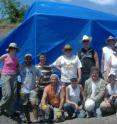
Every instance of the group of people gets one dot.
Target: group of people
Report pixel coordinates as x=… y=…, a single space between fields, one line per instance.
x=82 y=90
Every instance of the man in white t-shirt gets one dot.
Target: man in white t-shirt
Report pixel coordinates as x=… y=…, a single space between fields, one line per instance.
x=107 y=51
x=29 y=73
x=69 y=65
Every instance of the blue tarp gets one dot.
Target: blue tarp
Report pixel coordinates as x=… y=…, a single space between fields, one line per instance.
x=48 y=26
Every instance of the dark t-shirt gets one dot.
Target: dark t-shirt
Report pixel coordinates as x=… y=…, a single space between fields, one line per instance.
x=87 y=59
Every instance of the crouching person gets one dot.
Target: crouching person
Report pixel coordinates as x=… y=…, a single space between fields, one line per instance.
x=93 y=93
x=74 y=99
x=29 y=97
x=109 y=105
x=53 y=100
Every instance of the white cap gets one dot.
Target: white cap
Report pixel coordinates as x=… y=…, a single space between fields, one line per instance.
x=28 y=54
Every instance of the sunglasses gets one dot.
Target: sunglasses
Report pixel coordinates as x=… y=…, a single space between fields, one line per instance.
x=67 y=49
x=12 y=48
x=74 y=81
x=85 y=41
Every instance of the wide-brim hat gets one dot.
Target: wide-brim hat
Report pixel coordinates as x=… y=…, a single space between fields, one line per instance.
x=111 y=38
x=86 y=37
x=67 y=47
x=12 y=45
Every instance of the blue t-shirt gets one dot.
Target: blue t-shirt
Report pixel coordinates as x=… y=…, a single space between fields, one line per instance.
x=0 y=82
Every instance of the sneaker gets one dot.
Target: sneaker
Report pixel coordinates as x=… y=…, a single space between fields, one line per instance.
x=89 y=114
x=81 y=114
x=35 y=121
x=98 y=112
x=58 y=120
x=23 y=118
x=116 y=113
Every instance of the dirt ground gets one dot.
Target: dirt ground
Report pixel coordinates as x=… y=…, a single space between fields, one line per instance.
x=103 y=120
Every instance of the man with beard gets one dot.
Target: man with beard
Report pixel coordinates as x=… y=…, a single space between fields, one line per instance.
x=69 y=65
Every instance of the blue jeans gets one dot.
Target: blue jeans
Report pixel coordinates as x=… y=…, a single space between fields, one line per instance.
x=0 y=92
x=69 y=109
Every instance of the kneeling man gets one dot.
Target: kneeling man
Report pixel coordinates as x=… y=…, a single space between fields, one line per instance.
x=93 y=93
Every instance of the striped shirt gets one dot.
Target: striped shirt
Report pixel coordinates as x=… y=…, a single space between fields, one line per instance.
x=46 y=70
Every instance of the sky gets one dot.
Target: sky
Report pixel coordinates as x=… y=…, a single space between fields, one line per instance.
x=108 y=6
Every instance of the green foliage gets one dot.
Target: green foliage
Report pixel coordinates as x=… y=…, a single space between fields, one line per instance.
x=12 y=11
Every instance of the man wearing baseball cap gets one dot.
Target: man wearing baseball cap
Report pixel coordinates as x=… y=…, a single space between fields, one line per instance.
x=29 y=73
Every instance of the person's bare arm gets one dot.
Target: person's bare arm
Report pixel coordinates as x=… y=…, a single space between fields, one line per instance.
x=44 y=97
x=109 y=66
x=3 y=57
x=62 y=98
x=82 y=93
x=79 y=74
x=96 y=59
x=102 y=63
x=85 y=90
x=39 y=79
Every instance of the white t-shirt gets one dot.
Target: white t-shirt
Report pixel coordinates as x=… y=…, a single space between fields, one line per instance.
x=107 y=52
x=28 y=78
x=74 y=94
x=93 y=89
x=110 y=90
x=113 y=65
x=68 y=66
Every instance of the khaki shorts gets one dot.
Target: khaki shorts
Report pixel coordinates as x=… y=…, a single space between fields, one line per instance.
x=29 y=97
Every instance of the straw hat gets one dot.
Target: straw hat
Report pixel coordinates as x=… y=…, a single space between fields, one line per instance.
x=67 y=47
x=111 y=38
